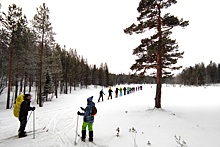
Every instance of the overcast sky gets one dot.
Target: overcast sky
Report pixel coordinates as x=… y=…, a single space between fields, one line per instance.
x=95 y=29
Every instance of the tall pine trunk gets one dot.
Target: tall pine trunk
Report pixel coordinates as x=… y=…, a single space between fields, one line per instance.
x=41 y=70
x=159 y=63
x=56 y=85
x=9 y=79
x=16 y=89
x=30 y=83
x=25 y=81
x=159 y=83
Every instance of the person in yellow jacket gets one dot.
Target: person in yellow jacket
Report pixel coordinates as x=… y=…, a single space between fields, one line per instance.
x=110 y=93
x=24 y=108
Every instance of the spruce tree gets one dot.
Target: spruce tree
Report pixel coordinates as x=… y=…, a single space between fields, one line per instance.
x=158 y=51
x=48 y=85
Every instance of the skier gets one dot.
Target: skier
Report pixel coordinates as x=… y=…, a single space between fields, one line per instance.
x=124 y=90
x=88 y=119
x=25 y=107
x=128 y=90
x=110 y=93
x=120 y=91
x=116 y=92
x=101 y=93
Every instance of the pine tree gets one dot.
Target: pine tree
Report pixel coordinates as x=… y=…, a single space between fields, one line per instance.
x=76 y=69
x=3 y=63
x=101 y=75
x=159 y=51
x=72 y=68
x=200 y=74
x=88 y=78
x=82 y=72
x=15 y=24
x=45 y=35
x=107 y=75
x=218 y=73
x=4 y=43
x=94 y=75
x=65 y=59
x=212 y=73
x=56 y=69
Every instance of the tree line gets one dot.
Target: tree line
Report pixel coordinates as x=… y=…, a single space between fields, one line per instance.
x=199 y=75
x=29 y=56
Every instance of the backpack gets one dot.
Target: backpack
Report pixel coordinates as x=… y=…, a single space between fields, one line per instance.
x=17 y=105
x=94 y=110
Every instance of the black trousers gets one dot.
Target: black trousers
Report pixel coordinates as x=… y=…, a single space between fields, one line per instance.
x=100 y=98
x=23 y=123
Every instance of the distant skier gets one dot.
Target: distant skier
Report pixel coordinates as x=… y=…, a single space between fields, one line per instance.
x=101 y=93
x=88 y=119
x=124 y=90
x=120 y=91
x=110 y=93
x=116 y=92
x=128 y=90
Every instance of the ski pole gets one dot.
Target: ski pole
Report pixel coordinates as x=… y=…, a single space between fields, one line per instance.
x=33 y=125
x=29 y=116
x=76 y=129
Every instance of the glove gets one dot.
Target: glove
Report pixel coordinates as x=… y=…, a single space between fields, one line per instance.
x=33 y=108
x=82 y=108
x=78 y=113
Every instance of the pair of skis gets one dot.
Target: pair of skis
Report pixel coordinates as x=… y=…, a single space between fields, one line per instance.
x=32 y=132
x=86 y=143
x=89 y=144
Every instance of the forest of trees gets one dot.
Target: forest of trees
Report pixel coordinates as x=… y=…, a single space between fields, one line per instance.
x=29 y=56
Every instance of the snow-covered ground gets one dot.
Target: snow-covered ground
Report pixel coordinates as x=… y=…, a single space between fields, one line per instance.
x=191 y=113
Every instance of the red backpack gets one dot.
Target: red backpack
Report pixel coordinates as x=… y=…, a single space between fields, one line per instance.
x=94 y=110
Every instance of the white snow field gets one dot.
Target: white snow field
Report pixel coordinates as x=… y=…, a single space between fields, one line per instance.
x=192 y=114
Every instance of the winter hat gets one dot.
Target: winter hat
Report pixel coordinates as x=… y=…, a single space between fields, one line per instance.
x=26 y=96
x=90 y=99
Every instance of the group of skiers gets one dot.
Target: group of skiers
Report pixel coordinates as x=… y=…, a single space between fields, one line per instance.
x=119 y=91
x=88 y=112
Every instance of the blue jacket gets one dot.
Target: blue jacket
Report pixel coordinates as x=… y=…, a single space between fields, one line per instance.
x=88 y=113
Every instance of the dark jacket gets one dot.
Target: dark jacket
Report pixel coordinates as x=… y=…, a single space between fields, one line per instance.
x=116 y=90
x=110 y=92
x=25 y=107
x=101 y=93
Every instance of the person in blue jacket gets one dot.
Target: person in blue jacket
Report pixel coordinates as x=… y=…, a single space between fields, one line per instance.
x=88 y=119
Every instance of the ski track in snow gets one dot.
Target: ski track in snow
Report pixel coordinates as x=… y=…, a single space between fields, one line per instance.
x=56 y=129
